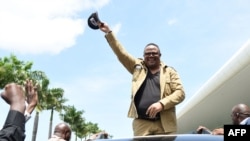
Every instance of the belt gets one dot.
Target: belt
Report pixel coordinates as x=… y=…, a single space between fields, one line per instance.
x=148 y=118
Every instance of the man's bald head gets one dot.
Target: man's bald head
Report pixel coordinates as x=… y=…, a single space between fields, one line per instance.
x=239 y=113
x=241 y=108
x=63 y=130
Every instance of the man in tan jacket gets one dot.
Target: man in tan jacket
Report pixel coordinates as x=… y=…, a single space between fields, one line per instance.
x=156 y=88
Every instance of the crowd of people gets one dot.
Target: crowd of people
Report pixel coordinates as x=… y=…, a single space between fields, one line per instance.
x=156 y=90
x=16 y=97
x=22 y=102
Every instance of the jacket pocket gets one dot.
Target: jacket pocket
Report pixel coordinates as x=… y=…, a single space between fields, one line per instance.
x=167 y=87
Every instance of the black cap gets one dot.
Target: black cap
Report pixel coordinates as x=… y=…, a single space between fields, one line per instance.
x=93 y=21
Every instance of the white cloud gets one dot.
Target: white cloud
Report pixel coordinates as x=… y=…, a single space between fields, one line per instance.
x=42 y=26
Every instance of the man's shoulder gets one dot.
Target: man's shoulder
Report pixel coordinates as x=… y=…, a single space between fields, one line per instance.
x=171 y=68
x=165 y=66
x=248 y=121
x=55 y=138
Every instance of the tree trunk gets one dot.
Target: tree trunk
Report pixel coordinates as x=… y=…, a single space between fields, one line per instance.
x=76 y=136
x=51 y=122
x=35 y=126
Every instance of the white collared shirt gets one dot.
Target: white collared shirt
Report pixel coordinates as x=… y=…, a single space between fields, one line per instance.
x=56 y=138
x=243 y=122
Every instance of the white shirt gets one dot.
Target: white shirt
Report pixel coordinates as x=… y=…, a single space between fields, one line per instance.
x=243 y=122
x=56 y=138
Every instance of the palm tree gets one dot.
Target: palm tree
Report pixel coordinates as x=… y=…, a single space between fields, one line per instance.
x=13 y=70
x=92 y=128
x=81 y=129
x=72 y=117
x=43 y=82
x=85 y=129
x=55 y=101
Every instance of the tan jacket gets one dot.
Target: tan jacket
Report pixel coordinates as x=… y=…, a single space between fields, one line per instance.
x=172 y=92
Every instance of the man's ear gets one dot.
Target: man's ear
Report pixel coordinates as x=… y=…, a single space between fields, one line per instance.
x=67 y=136
x=237 y=114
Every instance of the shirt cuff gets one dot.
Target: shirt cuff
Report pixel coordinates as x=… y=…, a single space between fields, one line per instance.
x=27 y=116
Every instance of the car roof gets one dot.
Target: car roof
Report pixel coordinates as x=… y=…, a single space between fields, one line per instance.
x=176 y=137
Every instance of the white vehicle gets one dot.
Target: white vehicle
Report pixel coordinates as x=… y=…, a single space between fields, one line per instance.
x=211 y=105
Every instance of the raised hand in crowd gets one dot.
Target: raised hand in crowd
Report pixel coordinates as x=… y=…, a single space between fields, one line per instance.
x=31 y=98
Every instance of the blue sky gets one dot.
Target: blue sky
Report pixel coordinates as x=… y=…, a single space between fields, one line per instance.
x=196 y=38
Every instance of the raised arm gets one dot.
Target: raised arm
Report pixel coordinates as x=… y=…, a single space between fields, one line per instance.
x=14 y=126
x=31 y=97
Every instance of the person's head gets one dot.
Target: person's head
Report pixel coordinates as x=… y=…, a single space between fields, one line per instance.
x=63 y=130
x=152 y=56
x=239 y=113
